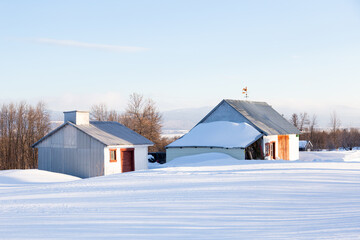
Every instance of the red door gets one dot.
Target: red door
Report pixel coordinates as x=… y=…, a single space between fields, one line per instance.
x=127 y=160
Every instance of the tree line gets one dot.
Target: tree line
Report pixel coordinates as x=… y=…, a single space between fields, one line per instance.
x=21 y=125
x=333 y=138
x=141 y=115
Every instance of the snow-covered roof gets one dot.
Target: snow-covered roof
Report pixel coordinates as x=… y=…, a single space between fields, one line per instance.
x=304 y=143
x=219 y=134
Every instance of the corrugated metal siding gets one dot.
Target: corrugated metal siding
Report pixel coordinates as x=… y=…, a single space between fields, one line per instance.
x=73 y=152
x=172 y=153
x=96 y=158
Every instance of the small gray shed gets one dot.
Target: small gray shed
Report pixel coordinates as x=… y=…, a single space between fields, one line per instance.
x=84 y=148
x=305 y=145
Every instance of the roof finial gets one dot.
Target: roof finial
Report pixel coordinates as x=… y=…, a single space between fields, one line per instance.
x=245 y=91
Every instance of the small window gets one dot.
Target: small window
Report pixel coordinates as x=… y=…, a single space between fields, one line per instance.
x=113 y=155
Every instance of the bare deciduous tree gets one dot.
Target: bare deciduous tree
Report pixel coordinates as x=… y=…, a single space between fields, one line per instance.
x=335 y=124
x=21 y=125
x=294 y=120
x=350 y=138
x=312 y=126
x=141 y=115
x=100 y=112
x=300 y=121
x=304 y=121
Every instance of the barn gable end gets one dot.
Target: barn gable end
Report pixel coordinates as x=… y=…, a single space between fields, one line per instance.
x=224 y=111
x=73 y=152
x=279 y=137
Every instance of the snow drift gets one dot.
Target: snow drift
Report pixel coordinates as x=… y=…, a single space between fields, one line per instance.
x=31 y=176
x=204 y=197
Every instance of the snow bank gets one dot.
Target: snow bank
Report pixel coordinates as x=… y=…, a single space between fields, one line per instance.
x=257 y=200
x=30 y=176
x=331 y=156
x=205 y=159
x=219 y=134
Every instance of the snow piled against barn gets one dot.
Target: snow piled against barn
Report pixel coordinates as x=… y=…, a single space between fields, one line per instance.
x=219 y=134
x=210 y=196
x=32 y=176
x=331 y=156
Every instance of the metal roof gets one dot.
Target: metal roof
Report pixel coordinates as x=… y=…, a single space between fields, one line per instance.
x=108 y=133
x=264 y=117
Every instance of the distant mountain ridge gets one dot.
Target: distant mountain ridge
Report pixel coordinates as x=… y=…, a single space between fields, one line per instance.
x=179 y=119
x=184 y=119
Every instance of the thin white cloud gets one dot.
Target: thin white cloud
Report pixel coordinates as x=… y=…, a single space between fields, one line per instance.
x=71 y=43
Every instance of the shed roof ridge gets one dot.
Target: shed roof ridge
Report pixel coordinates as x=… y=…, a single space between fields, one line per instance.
x=246 y=101
x=77 y=127
x=100 y=134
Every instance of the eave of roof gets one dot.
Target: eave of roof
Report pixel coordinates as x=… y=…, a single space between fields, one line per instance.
x=219 y=134
x=49 y=134
x=271 y=124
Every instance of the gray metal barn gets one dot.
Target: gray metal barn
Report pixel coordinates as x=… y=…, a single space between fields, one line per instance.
x=279 y=139
x=84 y=148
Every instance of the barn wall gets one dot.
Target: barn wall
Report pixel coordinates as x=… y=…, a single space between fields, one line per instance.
x=72 y=152
x=268 y=139
x=294 y=147
x=225 y=113
x=112 y=167
x=172 y=153
x=140 y=158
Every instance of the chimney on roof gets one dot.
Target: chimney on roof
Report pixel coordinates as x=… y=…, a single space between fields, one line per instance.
x=77 y=117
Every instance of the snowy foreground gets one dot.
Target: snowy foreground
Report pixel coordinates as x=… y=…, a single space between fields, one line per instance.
x=216 y=197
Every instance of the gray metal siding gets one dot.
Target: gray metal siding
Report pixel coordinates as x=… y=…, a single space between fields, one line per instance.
x=225 y=112
x=97 y=153
x=72 y=152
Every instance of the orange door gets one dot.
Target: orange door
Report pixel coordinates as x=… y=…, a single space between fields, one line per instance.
x=283 y=147
x=127 y=160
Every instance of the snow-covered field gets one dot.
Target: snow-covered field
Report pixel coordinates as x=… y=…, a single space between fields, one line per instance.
x=206 y=197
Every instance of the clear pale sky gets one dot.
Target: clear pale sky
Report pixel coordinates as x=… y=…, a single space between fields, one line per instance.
x=295 y=55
